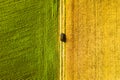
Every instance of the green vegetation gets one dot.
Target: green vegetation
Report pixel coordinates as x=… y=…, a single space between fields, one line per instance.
x=29 y=40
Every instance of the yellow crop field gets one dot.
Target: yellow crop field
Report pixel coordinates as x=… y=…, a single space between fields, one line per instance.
x=93 y=40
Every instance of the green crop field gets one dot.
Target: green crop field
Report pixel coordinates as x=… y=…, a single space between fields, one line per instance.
x=29 y=40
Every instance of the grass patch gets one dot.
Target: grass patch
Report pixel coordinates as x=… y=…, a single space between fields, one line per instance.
x=29 y=40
